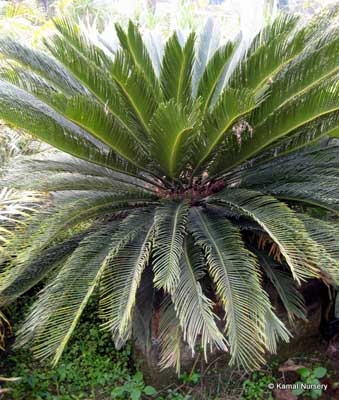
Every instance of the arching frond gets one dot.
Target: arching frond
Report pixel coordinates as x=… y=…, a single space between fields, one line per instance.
x=53 y=317
x=121 y=279
x=275 y=330
x=170 y=221
x=170 y=337
x=17 y=280
x=94 y=69
x=42 y=64
x=326 y=234
x=269 y=52
x=235 y=273
x=47 y=226
x=321 y=100
x=281 y=224
x=193 y=308
x=285 y=287
x=26 y=112
x=231 y=106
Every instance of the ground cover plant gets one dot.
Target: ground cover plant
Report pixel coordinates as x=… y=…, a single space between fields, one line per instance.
x=180 y=162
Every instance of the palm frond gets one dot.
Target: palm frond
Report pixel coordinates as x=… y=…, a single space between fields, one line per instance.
x=176 y=70
x=42 y=64
x=172 y=126
x=326 y=235
x=234 y=271
x=46 y=226
x=320 y=101
x=94 y=70
x=285 y=287
x=215 y=69
x=132 y=42
x=193 y=308
x=121 y=278
x=53 y=318
x=26 y=112
x=280 y=223
x=170 y=221
x=170 y=337
x=272 y=48
x=232 y=105
x=275 y=330
x=17 y=280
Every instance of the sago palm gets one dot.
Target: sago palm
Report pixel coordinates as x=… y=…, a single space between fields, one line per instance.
x=181 y=161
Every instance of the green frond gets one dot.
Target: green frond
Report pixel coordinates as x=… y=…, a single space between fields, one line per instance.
x=309 y=177
x=317 y=64
x=285 y=287
x=17 y=280
x=33 y=83
x=170 y=337
x=194 y=310
x=275 y=330
x=172 y=130
x=41 y=64
x=215 y=69
x=26 y=112
x=235 y=273
x=93 y=117
x=321 y=100
x=232 y=105
x=121 y=277
x=326 y=235
x=170 y=224
x=206 y=45
x=273 y=47
x=280 y=223
x=308 y=134
x=47 y=225
x=134 y=89
x=53 y=318
x=94 y=70
x=131 y=41
x=57 y=173
x=176 y=70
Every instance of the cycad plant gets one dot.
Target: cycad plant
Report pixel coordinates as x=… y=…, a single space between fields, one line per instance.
x=180 y=162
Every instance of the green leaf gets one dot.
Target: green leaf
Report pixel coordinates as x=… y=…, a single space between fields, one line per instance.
x=119 y=391
x=299 y=390
x=78 y=278
x=304 y=372
x=149 y=390
x=319 y=372
x=273 y=47
x=231 y=106
x=135 y=394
